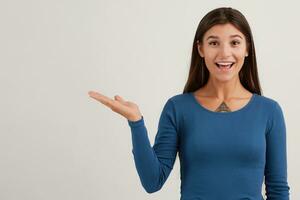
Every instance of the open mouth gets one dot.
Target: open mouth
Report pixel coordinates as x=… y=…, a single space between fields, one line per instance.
x=225 y=66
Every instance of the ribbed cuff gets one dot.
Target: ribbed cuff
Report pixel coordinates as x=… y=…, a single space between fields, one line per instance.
x=132 y=124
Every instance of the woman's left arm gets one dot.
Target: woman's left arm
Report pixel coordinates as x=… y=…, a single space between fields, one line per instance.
x=277 y=187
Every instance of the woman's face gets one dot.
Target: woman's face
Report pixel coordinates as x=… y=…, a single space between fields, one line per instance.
x=224 y=50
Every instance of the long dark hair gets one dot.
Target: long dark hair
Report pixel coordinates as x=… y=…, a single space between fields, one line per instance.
x=198 y=73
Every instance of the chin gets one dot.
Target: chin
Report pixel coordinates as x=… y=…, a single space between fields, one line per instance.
x=225 y=77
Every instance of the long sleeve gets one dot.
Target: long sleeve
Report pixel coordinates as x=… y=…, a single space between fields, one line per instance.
x=276 y=158
x=154 y=164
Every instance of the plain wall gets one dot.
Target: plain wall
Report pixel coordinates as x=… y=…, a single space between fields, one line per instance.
x=58 y=143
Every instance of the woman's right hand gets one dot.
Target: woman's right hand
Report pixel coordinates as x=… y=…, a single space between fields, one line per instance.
x=127 y=109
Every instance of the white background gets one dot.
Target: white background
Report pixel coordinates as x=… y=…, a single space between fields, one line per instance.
x=58 y=143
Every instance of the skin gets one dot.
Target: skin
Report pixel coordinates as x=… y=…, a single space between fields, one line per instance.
x=127 y=109
x=221 y=87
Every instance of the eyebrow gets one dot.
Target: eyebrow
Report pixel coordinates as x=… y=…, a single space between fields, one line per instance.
x=216 y=37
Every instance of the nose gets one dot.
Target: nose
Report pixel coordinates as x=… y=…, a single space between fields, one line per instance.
x=224 y=51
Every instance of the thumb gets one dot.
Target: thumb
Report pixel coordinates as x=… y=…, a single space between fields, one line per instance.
x=120 y=99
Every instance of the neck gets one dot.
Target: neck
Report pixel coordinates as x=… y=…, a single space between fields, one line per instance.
x=224 y=89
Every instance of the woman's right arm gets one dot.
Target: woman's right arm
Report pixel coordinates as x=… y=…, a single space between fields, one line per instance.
x=154 y=164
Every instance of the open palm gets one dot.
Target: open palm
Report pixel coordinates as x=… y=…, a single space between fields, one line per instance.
x=127 y=109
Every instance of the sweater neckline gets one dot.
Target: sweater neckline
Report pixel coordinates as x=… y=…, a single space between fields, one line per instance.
x=245 y=107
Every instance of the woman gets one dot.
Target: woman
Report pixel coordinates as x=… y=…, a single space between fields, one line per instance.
x=228 y=136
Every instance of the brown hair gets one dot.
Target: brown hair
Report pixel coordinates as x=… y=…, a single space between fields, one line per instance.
x=198 y=73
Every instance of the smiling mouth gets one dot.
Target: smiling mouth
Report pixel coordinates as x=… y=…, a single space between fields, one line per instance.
x=224 y=66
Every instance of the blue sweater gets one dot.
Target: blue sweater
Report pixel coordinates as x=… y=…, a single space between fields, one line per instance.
x=223 y=155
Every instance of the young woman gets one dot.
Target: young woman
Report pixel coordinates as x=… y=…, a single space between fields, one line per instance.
x=228 y=136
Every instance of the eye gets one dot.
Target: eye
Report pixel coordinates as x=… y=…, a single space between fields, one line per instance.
x=236 y=42
x=212 y=43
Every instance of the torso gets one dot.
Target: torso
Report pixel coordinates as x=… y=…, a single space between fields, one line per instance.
x=213 y=104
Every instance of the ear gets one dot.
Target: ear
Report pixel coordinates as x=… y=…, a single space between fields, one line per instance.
x=199 y=48
x=247 y=48
x=246 y=54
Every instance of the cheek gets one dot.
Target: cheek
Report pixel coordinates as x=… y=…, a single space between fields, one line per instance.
x=210 y=58
x=239 y=56
x=210 y=63
x=240 y=52
x=240 y=63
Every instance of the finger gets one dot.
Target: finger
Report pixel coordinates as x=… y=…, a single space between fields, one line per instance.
x=103 y=99
x=112 y=104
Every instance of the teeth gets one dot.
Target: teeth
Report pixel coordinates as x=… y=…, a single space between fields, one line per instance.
x=226 y=65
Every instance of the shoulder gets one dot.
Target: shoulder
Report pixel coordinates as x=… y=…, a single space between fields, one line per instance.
x=273 y=109
x=271 y=106
x=179 y=100
x=267 y=103
x=178 y=97
x=178 y=103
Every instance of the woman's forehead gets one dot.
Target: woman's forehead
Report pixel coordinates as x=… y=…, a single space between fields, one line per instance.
x=223 y=31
